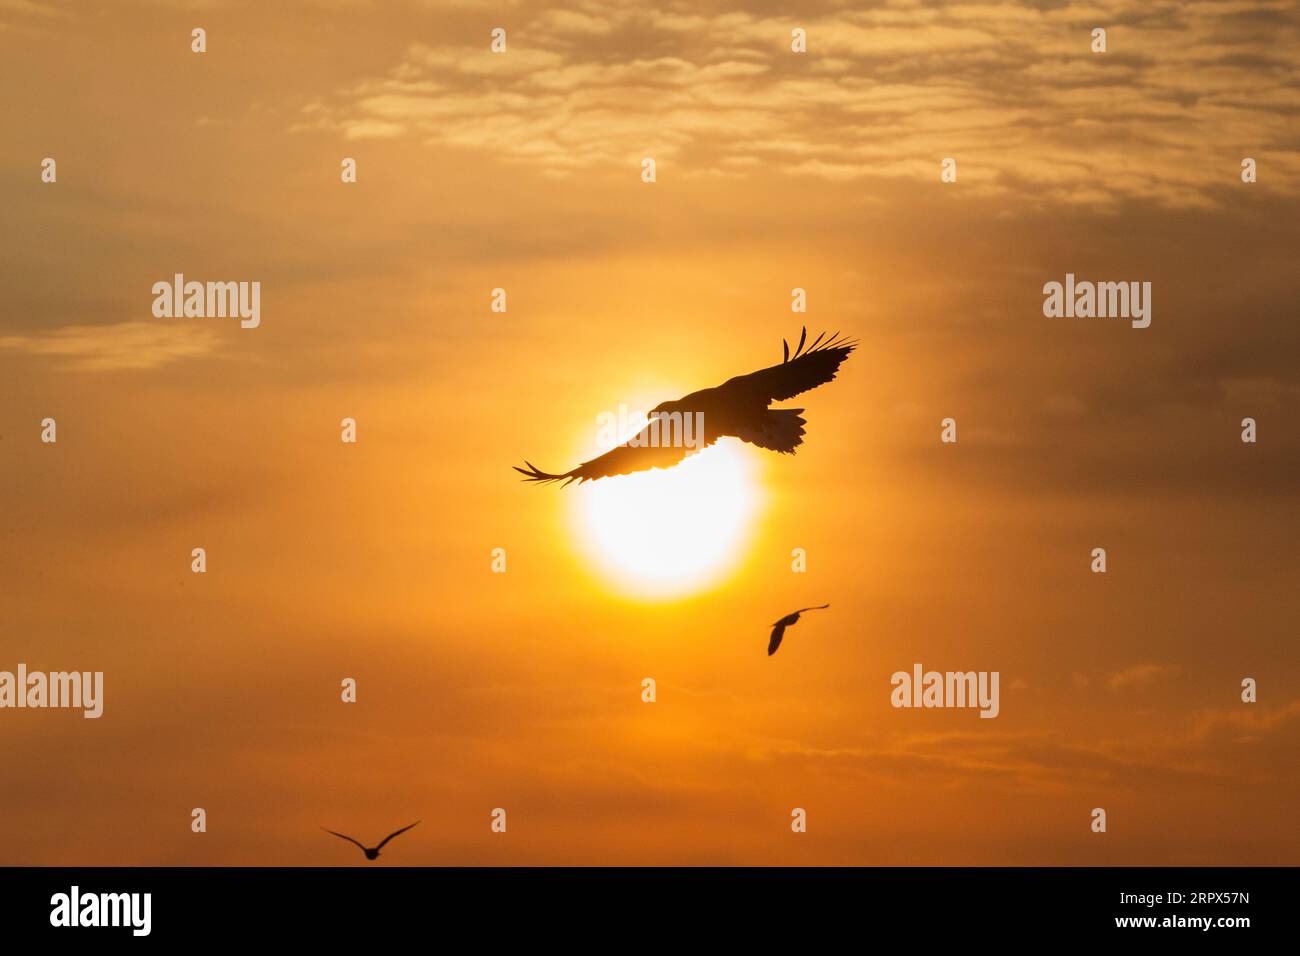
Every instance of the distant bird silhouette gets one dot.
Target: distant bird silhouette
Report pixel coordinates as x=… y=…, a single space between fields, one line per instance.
x=737 y=408
x=372 y=853
x=778 y=629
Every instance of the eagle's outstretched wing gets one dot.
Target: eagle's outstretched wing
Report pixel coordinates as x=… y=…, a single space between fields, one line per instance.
x=641 y=453
x=806 y=369
x=393 y=834
x=778 y=632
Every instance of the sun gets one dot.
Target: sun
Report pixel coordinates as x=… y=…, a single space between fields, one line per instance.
x=670 y=532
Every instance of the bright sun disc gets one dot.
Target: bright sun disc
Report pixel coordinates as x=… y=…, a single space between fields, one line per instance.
x=670 y=531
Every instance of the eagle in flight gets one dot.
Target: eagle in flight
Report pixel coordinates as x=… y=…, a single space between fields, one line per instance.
x=737 y=408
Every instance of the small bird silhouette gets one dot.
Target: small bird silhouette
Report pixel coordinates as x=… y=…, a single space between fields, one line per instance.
x=778 y=629
x=372 y=853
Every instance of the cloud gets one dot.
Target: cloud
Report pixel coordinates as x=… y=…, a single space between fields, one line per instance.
x=1011 y=91
x=1216 y=745
x=1139 y=676
x=125 y=345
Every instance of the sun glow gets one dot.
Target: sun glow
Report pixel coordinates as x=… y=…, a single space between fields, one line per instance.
x=668 y=532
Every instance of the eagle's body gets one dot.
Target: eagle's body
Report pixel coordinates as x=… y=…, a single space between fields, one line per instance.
x=738 y=408
x=730 y=412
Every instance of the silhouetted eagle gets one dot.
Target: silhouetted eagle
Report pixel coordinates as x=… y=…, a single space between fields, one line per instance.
x=736 y=408
x=778 y=629
x=371 y=852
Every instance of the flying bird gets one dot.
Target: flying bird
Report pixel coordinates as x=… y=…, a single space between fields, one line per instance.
x=737 y=408
x=372 y=853
x=778 y=629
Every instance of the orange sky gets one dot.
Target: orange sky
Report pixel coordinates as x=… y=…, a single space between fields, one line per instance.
x=522 y=690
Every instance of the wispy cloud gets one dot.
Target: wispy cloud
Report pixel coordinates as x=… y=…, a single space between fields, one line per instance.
x=1013 y=92
x=1217 y=745
x=1139 y=676
x=124 y=345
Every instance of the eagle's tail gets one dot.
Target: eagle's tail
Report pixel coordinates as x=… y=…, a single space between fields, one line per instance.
x=777 y=429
